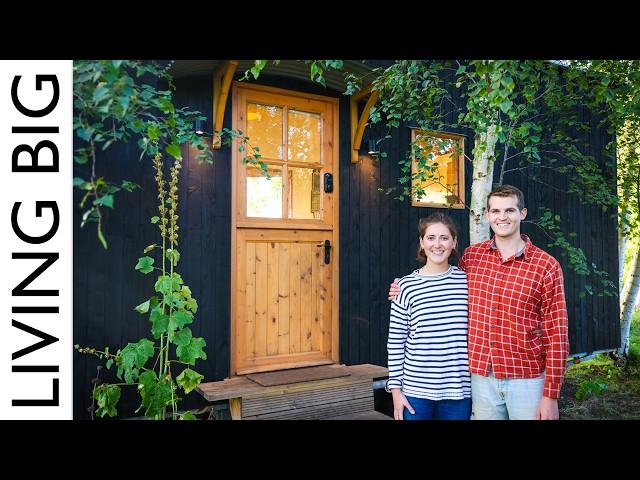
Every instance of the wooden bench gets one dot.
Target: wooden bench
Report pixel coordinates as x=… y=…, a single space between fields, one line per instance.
x=343 y=398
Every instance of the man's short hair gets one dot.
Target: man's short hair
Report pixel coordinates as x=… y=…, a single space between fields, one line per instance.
x=507 y=191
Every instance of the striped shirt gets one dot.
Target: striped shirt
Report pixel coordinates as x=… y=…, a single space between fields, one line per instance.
x=427 y=343
x=517 y=314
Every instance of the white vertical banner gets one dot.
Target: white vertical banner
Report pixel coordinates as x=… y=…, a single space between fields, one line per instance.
x=36 y=331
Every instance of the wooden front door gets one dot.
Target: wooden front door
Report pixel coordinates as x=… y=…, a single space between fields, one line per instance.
x=284 y=232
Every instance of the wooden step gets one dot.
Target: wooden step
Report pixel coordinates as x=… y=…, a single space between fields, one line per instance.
x=368 y=415
x=349 y=396
x=299 y=375
x=241 y=386
x=311 y=400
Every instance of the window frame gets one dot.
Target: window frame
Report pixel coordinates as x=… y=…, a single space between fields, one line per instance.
x=327 y=108
x=461 y=186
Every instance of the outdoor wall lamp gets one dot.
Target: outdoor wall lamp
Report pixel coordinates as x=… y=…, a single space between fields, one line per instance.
x=372 y=146
x=359 y=120
x=199 y=127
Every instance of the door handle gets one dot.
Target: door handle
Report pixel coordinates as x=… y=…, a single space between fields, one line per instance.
x=327 y=251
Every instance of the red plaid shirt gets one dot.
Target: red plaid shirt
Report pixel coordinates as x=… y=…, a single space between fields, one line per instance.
x=517 y=314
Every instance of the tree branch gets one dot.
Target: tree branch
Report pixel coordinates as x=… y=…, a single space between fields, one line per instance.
x=524 y=168
x=506 y=150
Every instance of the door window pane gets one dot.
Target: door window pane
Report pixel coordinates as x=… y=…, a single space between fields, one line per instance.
x=304 y=136
x=264 y=195
x=304 y=193
x=264 y=129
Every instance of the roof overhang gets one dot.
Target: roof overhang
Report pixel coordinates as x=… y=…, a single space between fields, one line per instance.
x=286 y=68
x=224 y=71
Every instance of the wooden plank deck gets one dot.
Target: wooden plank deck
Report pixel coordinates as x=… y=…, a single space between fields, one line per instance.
x=346 y=397
x=242 y=386
x=296 y=375
x=368 y=415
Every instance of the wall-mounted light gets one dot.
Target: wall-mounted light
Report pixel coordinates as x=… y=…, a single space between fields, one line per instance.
x=372 y=147
x=199 y=127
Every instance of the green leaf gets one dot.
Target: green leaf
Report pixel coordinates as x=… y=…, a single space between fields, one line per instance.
x=165 y=105
x=174 y=151
x=109 y=363
x=143 y=307
x=149 y=248
x=173 y=256
x=133 y=357
x=160 y=398
x=100 y=93
x=123 y=101
x=103 y=241
x=85 y=134
x=183 y=337
x=179 y=319
x=176 y=282
x=155 y=219
x=80 y=158
x=461 y=69
x=257 y=68
x=508 y=82
x=147 y=381
x=189 y=379
x=107 y=201
x=176 y=300
x=129 y=186
x=159 y=322
x=192 y=305
x=191 y=352
x=144 y=265
x=188 y=416
x=163 y=285
x=506 y=105
x=153 y=132
x=107 y=397
x=155 y=394
x=166 y=285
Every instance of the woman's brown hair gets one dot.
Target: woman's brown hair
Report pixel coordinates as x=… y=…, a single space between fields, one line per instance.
x=425 y=222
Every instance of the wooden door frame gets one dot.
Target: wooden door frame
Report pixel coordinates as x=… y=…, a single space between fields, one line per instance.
x=335 y=257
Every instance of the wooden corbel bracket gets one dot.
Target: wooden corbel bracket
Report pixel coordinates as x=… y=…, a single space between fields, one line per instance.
x=222 y=78
x=358 y=124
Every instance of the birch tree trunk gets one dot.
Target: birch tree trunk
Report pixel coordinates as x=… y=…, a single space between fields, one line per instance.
x=622 y=251
x=483 y=161
x=627 y=279
x=629 y=300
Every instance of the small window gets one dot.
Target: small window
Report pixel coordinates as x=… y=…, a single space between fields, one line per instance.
x=437 y=169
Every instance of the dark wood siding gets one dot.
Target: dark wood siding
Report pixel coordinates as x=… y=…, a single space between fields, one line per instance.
x=106 y=286
x=378 y=241
x=389 y=251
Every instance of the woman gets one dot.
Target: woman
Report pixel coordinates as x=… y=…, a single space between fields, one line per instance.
x=428 y=364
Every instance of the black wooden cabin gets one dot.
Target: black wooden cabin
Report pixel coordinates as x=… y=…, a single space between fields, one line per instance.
x=376 y=240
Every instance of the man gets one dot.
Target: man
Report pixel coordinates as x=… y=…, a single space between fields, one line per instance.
x=518 y=340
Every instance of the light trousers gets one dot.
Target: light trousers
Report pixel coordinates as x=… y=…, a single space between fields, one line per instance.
x=505 y=398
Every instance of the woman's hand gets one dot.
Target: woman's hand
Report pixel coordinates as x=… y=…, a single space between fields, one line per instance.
x=394 y=289
x=399 y=402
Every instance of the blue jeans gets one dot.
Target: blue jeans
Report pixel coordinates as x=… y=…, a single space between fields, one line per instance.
x=438 y=409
